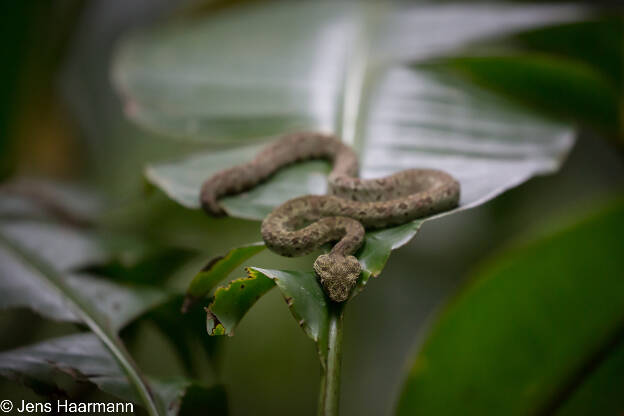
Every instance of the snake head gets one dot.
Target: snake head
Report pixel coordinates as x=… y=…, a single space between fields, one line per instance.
x=338 y=274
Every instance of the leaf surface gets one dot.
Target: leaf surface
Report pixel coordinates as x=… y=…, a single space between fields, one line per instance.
x=533 y=325
x=218 y=269
x=83 y=358
x=24 y=266
x=397 y=116
x=301 y=291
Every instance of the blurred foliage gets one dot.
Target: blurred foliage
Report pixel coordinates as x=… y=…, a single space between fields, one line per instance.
x=573 y=71
x=118 y=264
x=35 y=36
x=530 y=329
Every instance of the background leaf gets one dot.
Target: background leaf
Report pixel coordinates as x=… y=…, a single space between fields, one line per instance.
x=24 y=285
x=529 y=330
x=53 y=281
x=565 y=89
x=83 y=358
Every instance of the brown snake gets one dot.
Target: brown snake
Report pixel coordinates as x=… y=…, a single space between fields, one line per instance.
x=303 y=224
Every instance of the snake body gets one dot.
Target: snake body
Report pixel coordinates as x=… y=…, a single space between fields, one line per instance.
x=303 y=224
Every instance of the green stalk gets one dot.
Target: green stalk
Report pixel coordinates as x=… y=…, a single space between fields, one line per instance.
x=329 y=398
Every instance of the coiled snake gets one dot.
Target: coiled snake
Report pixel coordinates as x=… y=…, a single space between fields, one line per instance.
x=303 y=224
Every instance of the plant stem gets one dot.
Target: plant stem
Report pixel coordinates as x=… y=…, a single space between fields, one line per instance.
x=329 y=398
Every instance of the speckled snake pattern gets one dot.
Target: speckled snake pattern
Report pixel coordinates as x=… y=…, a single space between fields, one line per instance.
x=303 y=224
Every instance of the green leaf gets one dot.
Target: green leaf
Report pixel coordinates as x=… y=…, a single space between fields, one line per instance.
x=395 y=115
x=601 y=391
x=301 y=290
x=309 y=66
x=172 y=83
x=182 y=180
x=596 y=42
x=21 y=283
x=377 y=247
x=570 y=90
x=232 y=302
x=45 y=199
x=83 y=358
x=532 y=326
x=67 y=248
x=306 y=300
x=97 y=252
x=29 y=248
x=217 y=270
x=30 y=276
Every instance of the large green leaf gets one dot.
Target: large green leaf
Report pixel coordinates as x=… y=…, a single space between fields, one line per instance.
x=21 y=283
x=66 y=247
x=42 y=267
x=67 y=203
x=572 y=70
x=596 y=42
x=32 y=281
x=83 y=358
x=308 y=66
x=533 y=325
x=397 y=116
x=566 y=89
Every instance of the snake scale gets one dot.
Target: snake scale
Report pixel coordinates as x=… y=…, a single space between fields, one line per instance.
x=303 y=224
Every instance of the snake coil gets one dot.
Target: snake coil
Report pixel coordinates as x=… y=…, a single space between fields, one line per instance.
x=303 y=224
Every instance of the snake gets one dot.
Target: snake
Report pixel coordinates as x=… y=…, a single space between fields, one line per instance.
x=352 y=205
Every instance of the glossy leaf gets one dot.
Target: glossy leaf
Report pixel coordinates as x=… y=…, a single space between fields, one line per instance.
x=533 y=325
x=182 y=180
x=82 y=358
x=308 y=66
x=22 y=265
x=566 y=89
x=173 y=84
x=217 y=270
x=601 y=391
x=23 y=285
x=488 y=146
x=67 y=248
x=306 y=300
x=595 y=42
x=396 y=116
x=301 y=290
x=38 y=198
x=232 y=302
